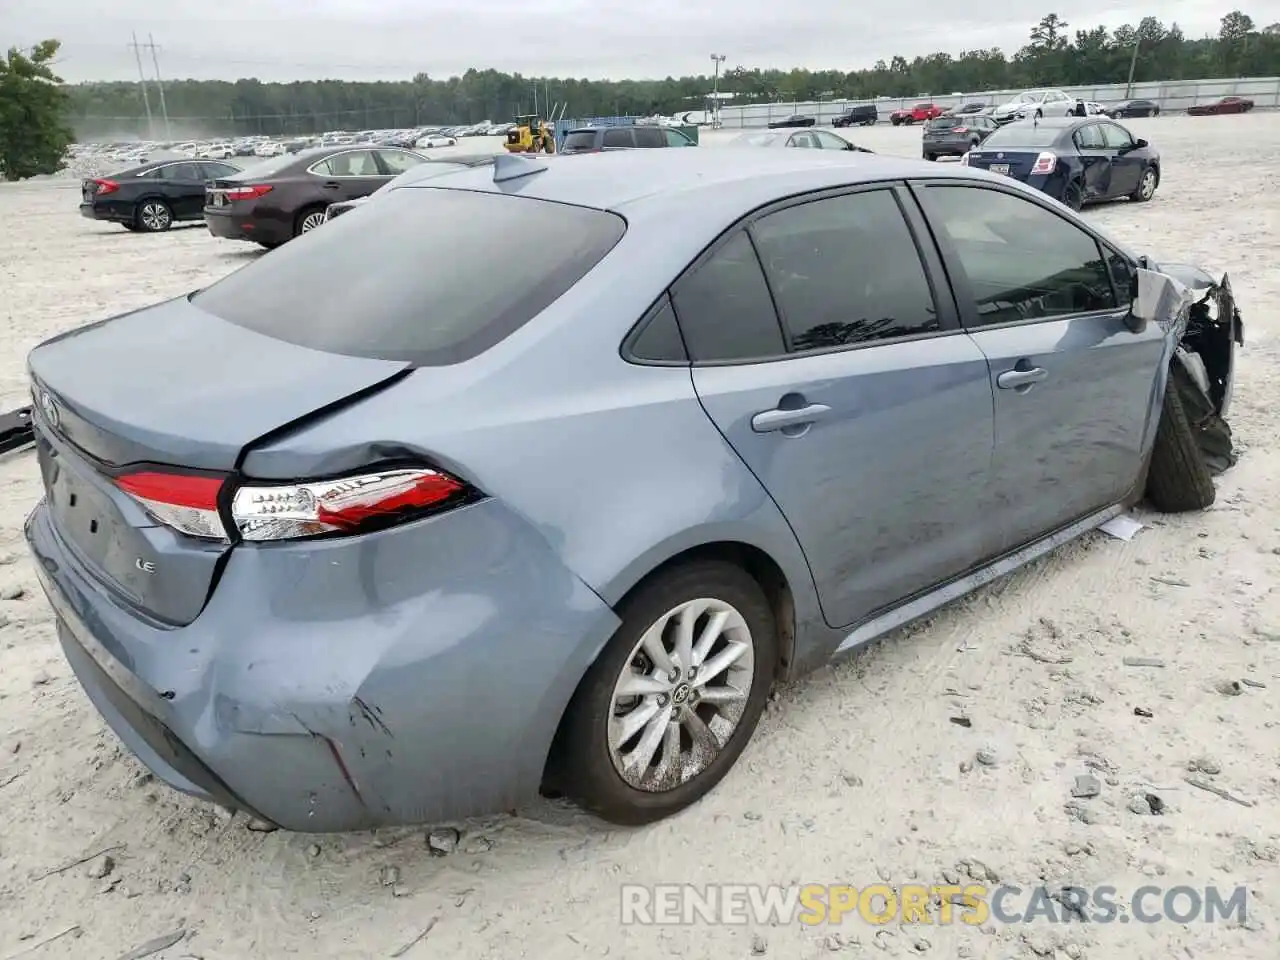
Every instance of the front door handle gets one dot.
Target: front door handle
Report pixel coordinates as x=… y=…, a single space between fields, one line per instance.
x=1015 y=379
x=332 y=185
x=779 y=419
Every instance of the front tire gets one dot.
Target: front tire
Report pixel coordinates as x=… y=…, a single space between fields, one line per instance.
x=1146 y=188
x=1178 y=480
x=670 y=703
x=153 y=216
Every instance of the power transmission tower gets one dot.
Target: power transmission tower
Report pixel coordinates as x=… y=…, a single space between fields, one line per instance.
x=142 y=81
x=164 y=111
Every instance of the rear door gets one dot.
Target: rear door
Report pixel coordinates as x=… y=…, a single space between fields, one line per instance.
x=1096 y=158
x=184 y=189
x=859 y=404
x=1074 y=387
x=1126 y=166
x=618 y=138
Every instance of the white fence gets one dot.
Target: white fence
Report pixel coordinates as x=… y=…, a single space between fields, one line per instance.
x=1173 y=96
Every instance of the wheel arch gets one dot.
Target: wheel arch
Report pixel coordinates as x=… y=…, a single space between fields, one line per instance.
x=757 y=563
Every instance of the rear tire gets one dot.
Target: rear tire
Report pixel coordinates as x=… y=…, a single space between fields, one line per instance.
x=1179 y=480
x=931 y=156
x=307 y=220
x=1073 y=196
x=153 y=216
x=587 y=758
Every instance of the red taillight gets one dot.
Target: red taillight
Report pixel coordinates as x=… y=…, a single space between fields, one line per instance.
x=959 y=129
x=185 y=502
x=248 y=193
x=106 y=186
x=1045 y=163
x=348 y=505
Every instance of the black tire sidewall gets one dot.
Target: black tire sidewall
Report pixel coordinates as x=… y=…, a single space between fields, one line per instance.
x=584 y=769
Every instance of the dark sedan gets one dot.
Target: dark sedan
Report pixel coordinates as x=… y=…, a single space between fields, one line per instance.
x=1135 y=108
x=424 y=171
x=275 y=201
x=1077 y=160
x=1225 y=105
x=795 y=120
x=153 y=197
x=953 y=136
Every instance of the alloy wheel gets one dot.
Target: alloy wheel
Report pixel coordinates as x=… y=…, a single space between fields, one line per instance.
x=154 y=216
x=1148 y=186
x=681 y=695
x=311 y=221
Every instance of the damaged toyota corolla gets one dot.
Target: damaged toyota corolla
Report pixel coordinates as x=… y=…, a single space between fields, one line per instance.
x=402 y=523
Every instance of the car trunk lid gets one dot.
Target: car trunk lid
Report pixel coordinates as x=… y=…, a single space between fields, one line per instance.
x=1016 y=162
x=103 y=418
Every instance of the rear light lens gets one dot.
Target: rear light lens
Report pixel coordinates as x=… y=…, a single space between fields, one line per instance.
x=252 y=192
x=349 y=505
x=187 y=503
x=1045 y=163
x=106 y=186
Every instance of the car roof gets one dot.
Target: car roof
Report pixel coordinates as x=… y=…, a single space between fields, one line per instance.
x=628 y=180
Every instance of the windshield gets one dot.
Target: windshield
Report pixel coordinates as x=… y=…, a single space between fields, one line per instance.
x=941 y=123
x=1029 y=97
x=1025 y=133
x=390 y=284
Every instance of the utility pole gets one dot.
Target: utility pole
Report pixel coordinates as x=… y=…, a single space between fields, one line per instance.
x=1133 y=64
x=142 y=81
x=164 y=111
x=717 y=59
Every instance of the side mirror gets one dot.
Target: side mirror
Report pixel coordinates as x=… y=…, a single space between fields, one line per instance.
x=1139 y=144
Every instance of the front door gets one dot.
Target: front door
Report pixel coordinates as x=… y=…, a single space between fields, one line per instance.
x=1074 y=388
x=866 y=413
x=350 y=175
x=1126 y=166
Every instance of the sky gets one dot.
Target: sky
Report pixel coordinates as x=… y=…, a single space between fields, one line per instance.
x=393 y=39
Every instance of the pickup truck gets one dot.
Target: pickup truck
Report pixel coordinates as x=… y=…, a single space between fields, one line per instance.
x=917 y=114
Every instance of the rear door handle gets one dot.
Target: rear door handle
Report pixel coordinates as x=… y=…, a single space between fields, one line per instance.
x=771 y=420
x=332 y=185
x=1013 y=379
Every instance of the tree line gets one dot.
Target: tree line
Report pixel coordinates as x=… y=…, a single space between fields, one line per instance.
x=1054 y=55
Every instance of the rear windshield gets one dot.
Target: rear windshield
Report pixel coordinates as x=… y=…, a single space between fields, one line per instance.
x=430 y=276
x=1024 y=133
x=579 y=140
x=265 y=167
x=941 y=123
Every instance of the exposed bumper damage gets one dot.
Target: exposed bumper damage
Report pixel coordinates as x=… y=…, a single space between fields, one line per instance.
x=1209 y=329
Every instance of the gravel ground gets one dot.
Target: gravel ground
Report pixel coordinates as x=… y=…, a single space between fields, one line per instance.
x=857 y=774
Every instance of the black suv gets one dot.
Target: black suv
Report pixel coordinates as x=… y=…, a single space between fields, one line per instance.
x=595 y=139
x=863 y=115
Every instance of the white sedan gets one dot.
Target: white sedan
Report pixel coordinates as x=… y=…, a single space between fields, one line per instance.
x=434 y=140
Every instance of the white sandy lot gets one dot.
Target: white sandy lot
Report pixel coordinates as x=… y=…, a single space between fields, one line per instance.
x=857 y=775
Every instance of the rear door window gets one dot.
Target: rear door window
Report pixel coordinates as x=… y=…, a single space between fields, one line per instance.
x=724 y=307
x=618 y=137
x=1090 y=138
x=649 y=137
x=186 y=172
x=579 y=140
x=845 y=271
x=394 y=285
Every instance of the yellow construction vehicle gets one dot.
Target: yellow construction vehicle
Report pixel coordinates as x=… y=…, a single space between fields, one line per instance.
x=530 y=135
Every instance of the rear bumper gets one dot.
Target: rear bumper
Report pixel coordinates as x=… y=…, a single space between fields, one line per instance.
x=227 y=225
x=410 y=676
x=950 y=147
x=91 y=211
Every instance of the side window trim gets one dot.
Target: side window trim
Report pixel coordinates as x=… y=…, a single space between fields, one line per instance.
x=656 y=309
x=965 y=297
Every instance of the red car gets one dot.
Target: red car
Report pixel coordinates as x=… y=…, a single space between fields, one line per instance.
x=1225 y=105
x=917 y=114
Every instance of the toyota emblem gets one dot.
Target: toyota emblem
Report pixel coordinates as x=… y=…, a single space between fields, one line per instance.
x=49 y=408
